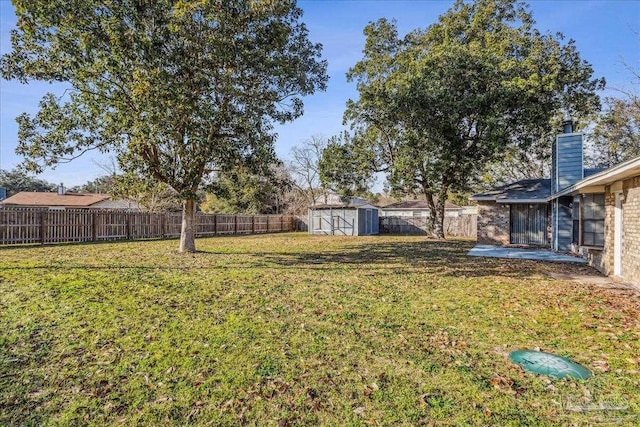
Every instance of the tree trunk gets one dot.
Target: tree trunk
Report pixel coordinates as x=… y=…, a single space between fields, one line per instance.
x=187 y=234
x=436 y=212
x=438 y=223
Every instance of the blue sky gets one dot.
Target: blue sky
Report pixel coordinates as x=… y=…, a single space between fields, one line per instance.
x=607 y=33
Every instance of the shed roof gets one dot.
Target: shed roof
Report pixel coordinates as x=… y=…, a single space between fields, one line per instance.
x=524 y=191
x=344 y=206
x=417 y=204
x=79 y=200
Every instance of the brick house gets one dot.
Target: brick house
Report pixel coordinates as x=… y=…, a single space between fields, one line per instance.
x=589 y=212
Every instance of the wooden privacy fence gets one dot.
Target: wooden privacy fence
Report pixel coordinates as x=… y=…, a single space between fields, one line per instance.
x=30 y=225
x=460 y=226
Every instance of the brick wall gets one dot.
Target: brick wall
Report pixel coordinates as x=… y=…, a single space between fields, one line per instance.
x=603 y=259
x=493 y=223
x=631 y=233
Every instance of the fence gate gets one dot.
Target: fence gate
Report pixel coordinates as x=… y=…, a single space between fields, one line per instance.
x=529 y=224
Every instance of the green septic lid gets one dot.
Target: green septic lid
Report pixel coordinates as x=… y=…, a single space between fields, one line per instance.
x=548 y=364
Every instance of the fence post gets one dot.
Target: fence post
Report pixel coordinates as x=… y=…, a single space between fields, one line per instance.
x=127 y=224
x=215 y=223
x=281 y=223
x=253 y=224
x=163 y=224
x=235 y=224
x=267 y=223
x=94 y=227
x=43 y=227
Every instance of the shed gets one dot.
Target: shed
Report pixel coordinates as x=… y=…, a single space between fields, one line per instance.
x=344 y=219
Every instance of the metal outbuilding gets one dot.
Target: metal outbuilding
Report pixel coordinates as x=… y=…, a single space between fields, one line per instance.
x=344 y=220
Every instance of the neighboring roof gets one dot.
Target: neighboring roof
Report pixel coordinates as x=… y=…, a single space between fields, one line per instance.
x=417 y=204
x=54 y=199
x=525 y=191
x=622 y=171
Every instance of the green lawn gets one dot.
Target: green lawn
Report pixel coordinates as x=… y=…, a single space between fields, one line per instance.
x=293 y=329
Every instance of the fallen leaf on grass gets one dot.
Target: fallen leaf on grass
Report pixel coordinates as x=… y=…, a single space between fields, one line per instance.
x=601 y=365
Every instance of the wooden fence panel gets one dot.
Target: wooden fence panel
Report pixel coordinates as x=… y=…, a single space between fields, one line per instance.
x=225 y=224
x=111 y=225
x=206 y=225
x=244 y=224
x=33 y=225
x=145 y=225
x=20 y=226
x=460 y=226
x=67 y=226
x=261 y=224
x=173 y=225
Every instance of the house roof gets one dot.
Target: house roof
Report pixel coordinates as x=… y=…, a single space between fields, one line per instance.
x=539 y=190
x=417 y=204
x=524 y=191
x=79 y=200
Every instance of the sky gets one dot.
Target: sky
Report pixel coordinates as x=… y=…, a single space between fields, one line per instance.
x=607 y=35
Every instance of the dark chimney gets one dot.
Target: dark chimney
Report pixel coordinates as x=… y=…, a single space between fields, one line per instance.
x=567 y=126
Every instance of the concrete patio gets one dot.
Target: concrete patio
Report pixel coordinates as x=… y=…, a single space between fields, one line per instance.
x=491 y=251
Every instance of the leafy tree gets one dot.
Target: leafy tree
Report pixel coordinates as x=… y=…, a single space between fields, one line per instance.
x=616 y=136
x=102 y=185
x=527 y=161
x=241 y=190
x=176 y=90
x=438 y=105
x=345 y=167
x=17 y=180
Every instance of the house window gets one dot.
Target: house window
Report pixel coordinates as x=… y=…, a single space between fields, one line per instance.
x=593 y=220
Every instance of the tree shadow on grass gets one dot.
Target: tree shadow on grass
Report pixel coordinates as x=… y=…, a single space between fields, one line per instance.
x=446 y=258
x=439 y=257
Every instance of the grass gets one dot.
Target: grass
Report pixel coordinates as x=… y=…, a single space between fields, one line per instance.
x=292 y=329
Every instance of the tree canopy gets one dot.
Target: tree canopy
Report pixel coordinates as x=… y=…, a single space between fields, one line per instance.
x=176 y=90
x=616 y=135
x=17 y=180
x=438 y=105
x=241 y=190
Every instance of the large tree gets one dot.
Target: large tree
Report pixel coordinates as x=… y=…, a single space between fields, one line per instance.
x=177 y=90
x=438 y=105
